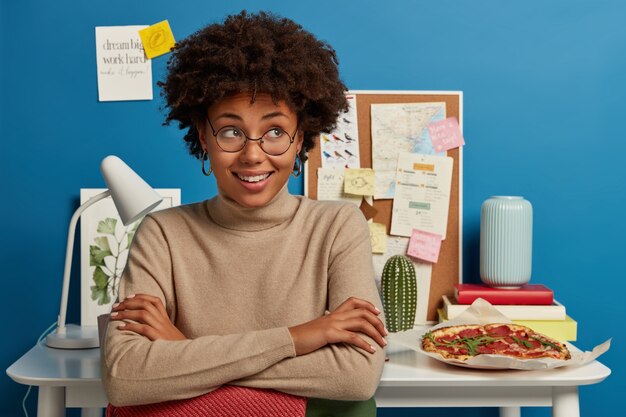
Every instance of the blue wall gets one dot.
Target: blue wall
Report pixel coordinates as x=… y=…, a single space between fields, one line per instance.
x=544 y=87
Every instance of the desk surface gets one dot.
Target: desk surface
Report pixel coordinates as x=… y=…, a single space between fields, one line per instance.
x=44 y=366
x=412 y=369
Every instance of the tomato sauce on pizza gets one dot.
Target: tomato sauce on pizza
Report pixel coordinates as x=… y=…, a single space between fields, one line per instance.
x=466 y=341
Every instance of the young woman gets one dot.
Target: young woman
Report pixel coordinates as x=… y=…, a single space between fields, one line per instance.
x=254 y=287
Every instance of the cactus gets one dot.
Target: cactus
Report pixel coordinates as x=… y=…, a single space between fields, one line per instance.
x=399 y=288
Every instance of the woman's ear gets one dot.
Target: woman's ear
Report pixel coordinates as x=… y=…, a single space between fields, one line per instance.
x=201 y=135
x=299 y=141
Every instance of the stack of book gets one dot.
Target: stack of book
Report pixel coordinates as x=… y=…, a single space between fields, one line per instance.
x=531 y=305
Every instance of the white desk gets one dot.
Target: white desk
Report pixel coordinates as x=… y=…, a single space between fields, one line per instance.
x=71 y=378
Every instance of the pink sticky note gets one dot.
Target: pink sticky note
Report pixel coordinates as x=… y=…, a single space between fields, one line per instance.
x=424 y=245
x=446 y=134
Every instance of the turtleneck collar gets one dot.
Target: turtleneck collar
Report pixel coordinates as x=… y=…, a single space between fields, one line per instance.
x=231 y=215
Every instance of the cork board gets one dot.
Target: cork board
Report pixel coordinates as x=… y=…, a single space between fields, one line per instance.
x=446 y=272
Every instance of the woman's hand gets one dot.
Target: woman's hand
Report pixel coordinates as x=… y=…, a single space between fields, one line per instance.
x=149 y=317
x=353 y=316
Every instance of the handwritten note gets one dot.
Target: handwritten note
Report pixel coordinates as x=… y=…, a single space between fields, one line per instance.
x=359 y=181
x=446 y=134
x=330 y=186
x=424 y=245
x=422 y=196
x=124 y=72
x=378 y=237
x=157 y=39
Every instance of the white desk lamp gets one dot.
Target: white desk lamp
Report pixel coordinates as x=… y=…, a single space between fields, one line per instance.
x=133 y=199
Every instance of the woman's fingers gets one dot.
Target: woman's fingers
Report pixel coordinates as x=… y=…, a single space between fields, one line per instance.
x=362 y=325
x=377 y=324
x=354 y=339
x=141 y=301
x=141 y=308
x=354 y=303
x=142 y=329
x=145 y=315
x=361 y=321
x=140 y=316
x=350 y=323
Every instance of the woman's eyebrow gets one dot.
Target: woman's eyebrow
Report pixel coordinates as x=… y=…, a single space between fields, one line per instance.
x=228 y=115
x=274 y=114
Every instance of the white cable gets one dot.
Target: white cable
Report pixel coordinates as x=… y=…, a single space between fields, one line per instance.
x=39 y=340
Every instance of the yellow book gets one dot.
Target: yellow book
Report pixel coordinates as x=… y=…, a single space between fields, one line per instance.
x=561 y=330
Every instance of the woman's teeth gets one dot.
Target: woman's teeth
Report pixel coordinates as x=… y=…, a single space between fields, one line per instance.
x=254 y=178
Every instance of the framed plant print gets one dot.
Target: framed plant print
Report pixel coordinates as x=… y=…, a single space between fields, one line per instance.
x=104 y=245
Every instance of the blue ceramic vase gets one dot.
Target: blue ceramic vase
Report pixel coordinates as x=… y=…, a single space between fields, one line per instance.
x=506 y=234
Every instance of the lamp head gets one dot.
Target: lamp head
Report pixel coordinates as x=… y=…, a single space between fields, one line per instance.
x=133 y=197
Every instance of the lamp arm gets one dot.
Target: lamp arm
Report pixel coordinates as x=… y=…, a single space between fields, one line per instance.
x=68 y=257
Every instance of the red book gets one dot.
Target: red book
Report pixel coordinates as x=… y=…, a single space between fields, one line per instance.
x=532 y=294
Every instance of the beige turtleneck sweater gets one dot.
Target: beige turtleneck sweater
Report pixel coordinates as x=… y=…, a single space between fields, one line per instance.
x=233 y=280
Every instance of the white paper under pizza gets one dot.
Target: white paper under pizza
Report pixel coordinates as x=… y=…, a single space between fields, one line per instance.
x=482 y=312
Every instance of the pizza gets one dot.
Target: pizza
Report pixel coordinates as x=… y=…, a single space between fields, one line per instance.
x=466 y=341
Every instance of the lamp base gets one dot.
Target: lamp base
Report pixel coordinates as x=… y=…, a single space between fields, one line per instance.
x=75 y=337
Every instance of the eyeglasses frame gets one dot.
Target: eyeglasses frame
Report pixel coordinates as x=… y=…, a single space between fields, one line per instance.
x=292 y=138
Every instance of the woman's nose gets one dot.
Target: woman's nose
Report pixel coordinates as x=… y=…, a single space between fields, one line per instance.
x=252 y=152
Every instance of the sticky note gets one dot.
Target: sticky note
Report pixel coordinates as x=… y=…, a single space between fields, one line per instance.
x=359 y=181
x=378 y=237
x=446 y=134
x=157 y=39
x=424 y=245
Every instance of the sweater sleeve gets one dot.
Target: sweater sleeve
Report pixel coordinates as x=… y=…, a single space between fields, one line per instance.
x=336 y=371
x=136 y=370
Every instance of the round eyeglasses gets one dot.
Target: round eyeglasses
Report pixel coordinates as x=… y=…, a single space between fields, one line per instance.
x=274 y=142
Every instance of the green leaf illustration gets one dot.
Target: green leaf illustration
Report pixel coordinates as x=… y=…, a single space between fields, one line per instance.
x=97 y=255
x=100 y=278
x=101 y=295
x=106 y=285
x=100 y=291
x=103 y=242
x=107 y=226
x=130 y=237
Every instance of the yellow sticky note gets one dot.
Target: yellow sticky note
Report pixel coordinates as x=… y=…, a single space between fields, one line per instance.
x=157 y=39
x=359 y=181
x=378 y=237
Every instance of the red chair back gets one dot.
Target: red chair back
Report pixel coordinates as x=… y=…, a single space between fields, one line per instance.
x=226 y=401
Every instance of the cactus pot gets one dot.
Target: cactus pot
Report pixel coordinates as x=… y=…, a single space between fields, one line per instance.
x=399 y=291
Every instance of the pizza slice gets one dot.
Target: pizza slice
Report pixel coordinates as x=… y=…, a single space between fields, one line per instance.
x=463 y=342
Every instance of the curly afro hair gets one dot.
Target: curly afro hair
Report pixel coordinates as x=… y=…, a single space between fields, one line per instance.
x=254 y=53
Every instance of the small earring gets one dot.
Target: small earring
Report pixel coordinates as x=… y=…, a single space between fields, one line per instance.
x=204 y=158
x=297 y=170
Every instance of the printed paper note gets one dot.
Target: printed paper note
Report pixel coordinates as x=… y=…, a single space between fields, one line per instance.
x=422 y=194
x=359 y=181
x=157 y=39
x=378 y=237
x=340 y=148
x=423 y=272
x=330 y=186
x=400 y=128
x=424 y=245
x=446 y=134
x=124 y=72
